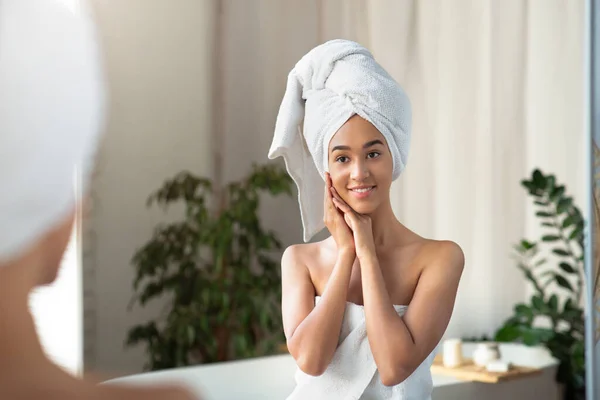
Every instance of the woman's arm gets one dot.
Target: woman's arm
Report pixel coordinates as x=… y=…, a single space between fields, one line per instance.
x=400 y=344
x=312 y=332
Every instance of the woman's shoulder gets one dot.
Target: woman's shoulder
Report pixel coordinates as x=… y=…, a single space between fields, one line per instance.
x=441 y=252
x=306 y=254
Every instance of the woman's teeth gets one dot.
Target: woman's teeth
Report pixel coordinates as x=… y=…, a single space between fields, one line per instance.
x=362 y=190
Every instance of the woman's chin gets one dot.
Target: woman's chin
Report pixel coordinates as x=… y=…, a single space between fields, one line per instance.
x=363 y=207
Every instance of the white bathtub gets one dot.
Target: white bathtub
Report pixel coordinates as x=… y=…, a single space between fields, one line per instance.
x=272 y=378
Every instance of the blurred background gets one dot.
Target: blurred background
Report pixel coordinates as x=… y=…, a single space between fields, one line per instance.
x=498 y=91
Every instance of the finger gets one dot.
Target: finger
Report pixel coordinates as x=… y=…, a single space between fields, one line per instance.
x=345 y=208
x=328 y=203
x=348 y=219
x=327 y=187
x=349 y=209
x=337 y=196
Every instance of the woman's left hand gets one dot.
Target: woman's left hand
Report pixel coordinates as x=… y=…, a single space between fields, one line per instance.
x=360 y=224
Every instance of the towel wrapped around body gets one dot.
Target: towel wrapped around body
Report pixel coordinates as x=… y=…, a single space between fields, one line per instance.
x=352 y=373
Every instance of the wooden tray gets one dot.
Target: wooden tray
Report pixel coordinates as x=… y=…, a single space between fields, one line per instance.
x=468 y=371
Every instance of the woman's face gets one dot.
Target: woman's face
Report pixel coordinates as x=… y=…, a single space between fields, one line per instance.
x=360 y=165
x=53 y=247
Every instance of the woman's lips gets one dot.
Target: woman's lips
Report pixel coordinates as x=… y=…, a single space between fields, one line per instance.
x=363 y=192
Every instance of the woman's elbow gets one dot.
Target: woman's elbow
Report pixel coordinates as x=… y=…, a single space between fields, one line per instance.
x=394 y=376
x=311 y=367
x=309 y=364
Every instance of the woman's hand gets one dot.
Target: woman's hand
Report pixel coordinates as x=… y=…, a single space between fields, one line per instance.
x=334 y=221
x=359 y=224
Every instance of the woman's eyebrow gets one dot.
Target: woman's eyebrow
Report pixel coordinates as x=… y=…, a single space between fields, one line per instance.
x=365 y=146
x=372 y=143
x=340 y=148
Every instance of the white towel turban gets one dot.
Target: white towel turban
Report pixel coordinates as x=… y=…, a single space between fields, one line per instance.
x=51 y=105
x=330 y=84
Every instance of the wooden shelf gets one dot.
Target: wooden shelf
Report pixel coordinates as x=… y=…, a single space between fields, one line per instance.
x=468 y=371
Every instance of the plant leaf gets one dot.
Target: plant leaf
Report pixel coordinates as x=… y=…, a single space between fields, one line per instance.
x=568 y=305
x=508 y=333
x=561 y=281
x=526 y=245
x=547 y=273
x=560 y=252
x=524 y=311
x=550 y=238
x=538 y=303
x=564 y=204
x=553 y=303
x=575 y=234
x=540 y=262
x=191 y=333
x=567 y=268
x=538 y=179
x=568 y=221
x=557 y=192
x=535 y=336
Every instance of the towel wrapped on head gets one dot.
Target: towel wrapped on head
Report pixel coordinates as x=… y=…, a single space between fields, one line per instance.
x=331 y=83
x=52 y=97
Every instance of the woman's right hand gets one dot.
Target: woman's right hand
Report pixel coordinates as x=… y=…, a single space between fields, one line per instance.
x=334 y=221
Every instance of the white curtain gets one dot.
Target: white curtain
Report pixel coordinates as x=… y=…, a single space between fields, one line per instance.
x=497 y=90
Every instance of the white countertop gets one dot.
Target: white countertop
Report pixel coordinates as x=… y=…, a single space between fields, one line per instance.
x=272 y=377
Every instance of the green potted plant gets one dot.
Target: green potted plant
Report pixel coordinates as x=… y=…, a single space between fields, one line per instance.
x=558 y=284
x=220 y=270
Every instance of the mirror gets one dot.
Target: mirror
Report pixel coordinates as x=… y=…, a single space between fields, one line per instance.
x=499 y=123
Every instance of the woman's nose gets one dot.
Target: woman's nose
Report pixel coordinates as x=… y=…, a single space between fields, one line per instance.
x=359 y=171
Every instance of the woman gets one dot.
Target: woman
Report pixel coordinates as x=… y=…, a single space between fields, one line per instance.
x=364 y=309
x=51 y=96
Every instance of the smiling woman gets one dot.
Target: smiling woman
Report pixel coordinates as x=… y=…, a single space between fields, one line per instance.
x=364 y=309
x=361 y=165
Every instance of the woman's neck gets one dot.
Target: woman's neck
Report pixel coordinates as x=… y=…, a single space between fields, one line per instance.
x=387 y=230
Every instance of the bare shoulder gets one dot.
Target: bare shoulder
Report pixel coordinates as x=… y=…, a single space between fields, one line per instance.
x=443 y=255
x=300 y=255
x=291 y=255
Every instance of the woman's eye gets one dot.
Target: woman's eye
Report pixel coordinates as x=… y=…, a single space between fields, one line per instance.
x=373 y=154
x=342 y=159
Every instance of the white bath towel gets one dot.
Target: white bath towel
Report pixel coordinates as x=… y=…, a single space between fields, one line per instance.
x=51 y=102
x=330 y=84
x=352 y=373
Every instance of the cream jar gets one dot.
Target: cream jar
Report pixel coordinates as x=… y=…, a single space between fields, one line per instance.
x=452 y=353
x=485 y=353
